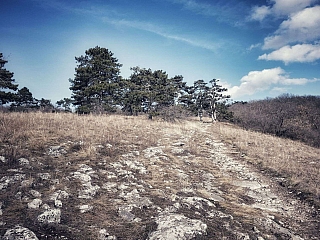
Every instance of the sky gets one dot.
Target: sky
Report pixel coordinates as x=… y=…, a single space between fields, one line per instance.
x=256 y=48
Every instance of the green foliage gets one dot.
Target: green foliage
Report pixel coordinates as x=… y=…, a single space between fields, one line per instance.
x=65 y=104
x=45 y=105
x=98 y=87
x=23 y=100
x=201 y=98
x=6 y=83
x=150 y=91
x=96 y=81
x=215 y=95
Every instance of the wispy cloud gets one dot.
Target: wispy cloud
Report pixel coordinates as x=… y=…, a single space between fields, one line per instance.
x=257 y=81
x=253 y=46
x=87 y=8
x=163 y=32
x=111 y=16
x=230 y=12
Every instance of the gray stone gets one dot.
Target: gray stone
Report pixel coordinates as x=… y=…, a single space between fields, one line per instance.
x=176 y=226
x=23 y=161
x=26 y=183
x=88 y=191
x=35 y=193
x=56 y=151
x=58 y=203
x=19 y=233
x=3 y=159
x=85 y=208
x=125 y=214
x=153 y=152
x=59 y=195
x=6 y=180
x=84 y=175
x=104 y=235
x=50 y=216
x=35 y=203
x=44 y=176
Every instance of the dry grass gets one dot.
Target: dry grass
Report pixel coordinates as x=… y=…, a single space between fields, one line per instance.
x=295 y=162
x=40 y=130
x=23 y=135
x=87 y=138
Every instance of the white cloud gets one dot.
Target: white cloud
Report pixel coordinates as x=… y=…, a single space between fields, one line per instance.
x=302 y=26
x=257 y=81
x=296 y=53
x=279 y=8
x=286 y=7
x=260 y=13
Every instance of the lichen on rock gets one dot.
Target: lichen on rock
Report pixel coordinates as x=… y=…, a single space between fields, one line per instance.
x=19 y=233
x=177 y=227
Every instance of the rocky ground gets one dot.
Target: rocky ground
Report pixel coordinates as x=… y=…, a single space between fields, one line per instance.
x=185 y=185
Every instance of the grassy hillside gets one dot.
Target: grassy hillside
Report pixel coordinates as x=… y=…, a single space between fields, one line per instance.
x=56 y=154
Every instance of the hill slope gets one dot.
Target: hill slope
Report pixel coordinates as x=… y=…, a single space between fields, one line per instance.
x=65 y=176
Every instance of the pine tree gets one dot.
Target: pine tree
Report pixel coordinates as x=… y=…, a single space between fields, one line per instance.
x=6 y=83
x=65 y=103
x=23 y=100
x=151 y=91
x=200 y=96
x=96 y=84
x=215 y=95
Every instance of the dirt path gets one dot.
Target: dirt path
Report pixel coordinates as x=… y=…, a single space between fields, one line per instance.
x=233 y=200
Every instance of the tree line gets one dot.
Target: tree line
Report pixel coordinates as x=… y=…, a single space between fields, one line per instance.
x=289 y=116
x=19 y=99
x=98 y=87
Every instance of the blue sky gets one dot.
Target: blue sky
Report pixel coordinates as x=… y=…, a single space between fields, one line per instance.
x=256 y=48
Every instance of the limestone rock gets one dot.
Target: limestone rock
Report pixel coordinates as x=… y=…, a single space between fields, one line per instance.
x=56 y=151
x=23 y=161
x=59 y=195
x=35 y=203
x=7 y=180
x=44 y=176
x=35 y=193
x=176 y=226
x=125 y=213
x=20 y=233
x=84 y=175
x=85 y=208
x=50 y=216
x=104 y=235
x=58 y=203
x=3 y=159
